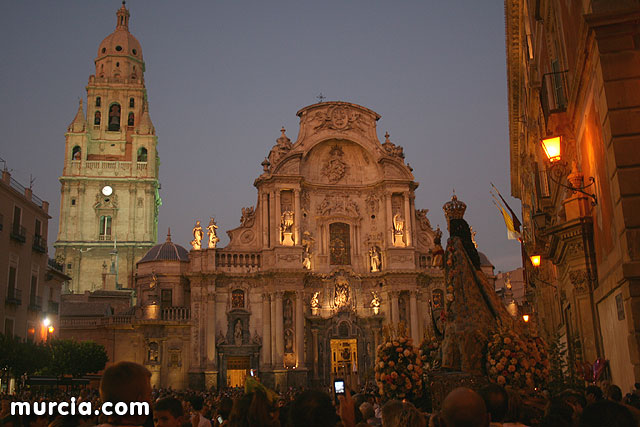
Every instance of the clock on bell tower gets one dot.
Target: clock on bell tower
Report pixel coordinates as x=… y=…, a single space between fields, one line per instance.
x=109 y=196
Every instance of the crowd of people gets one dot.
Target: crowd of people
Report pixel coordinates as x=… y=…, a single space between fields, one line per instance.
x=258 y=406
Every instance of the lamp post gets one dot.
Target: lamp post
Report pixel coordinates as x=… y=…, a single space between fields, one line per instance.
x=552 y=147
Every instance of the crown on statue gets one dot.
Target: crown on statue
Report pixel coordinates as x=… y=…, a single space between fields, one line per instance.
x=454 y=208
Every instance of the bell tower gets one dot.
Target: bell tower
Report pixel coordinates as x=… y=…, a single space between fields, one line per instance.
x=109 y=196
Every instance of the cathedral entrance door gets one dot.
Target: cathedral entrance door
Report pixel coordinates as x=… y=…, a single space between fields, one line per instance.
x=237 y=370
x=344 y=361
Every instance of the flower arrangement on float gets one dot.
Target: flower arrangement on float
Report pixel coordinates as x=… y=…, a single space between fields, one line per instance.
x=517 y=362
x=430 y=353
x=398 y=366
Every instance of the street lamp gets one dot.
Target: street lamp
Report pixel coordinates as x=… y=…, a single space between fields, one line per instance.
x=552 y=147
x=535 y=260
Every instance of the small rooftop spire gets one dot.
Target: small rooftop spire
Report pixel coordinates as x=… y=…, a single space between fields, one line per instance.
x=123 y=18
x=79 y=121
x=169 y=230
x=386 y=137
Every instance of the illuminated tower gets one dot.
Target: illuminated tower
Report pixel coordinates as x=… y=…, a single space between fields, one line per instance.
x=109 y=197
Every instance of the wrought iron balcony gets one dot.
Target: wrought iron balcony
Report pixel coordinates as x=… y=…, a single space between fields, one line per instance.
x=18 y=233
x=55 y=265
x=14 y=296
x=39 y=244
x=35 y=303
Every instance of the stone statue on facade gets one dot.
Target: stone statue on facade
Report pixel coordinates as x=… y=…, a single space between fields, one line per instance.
x=237 y=333
x=198 y=234
x=342 y=296
x=154 y=280
x=375 y=302
x=374 y=259
x=286 y=228
x=220 y=338
x=437 y=252
x=211 y=230
x=315 y=300
x=288 y=341
x=398 y=230
x=257 y=339
x=307 y=245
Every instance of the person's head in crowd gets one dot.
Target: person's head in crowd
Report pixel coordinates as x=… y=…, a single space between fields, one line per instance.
x=11 y=421
x=253 y=409
x=197 y=403
x=607 y=413
x=313 y=409
x=410 y=416
x=367 y=411
x=614 y=393
x=224 y=407
x=496 y=400
x=464 y=407
x=126 y=382
x=168 y=412
x=593 y=394
x=391 y=412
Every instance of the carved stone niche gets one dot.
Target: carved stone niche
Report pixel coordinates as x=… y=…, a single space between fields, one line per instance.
x=238 y=333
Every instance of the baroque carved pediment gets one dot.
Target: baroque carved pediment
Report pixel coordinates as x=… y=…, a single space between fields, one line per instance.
x=338 y=204
x=340 y=118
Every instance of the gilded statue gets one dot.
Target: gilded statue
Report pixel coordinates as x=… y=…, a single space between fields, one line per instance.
x=437 y=252
x=375 y=302
x=374 y=259
x=286 y=228
x=211 y=230
x=198 y=234
x=154 y=280
x=398 y=230
x=315 y=302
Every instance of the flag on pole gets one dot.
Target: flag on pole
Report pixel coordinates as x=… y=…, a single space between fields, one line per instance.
x=510 y=219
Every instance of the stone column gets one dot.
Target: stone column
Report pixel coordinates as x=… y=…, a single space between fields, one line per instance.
x=265 y=220
x=299 y=330
x=279 y=332
x=408 y=220
x=278 y=216
x=314 y=333
x=388 y=234
x=297 y=217
x=413 y=308
x=273 y=328
x=210 y=326
x=195 y=331
x=266 y=330
x=395 y=311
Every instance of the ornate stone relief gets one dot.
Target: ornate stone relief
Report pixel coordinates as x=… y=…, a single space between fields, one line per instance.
x=580 y=280
x=372 y=202
x=338 y=204
x=392 y=149
x=340 y=118
x=281 y=149
x=423 y=221
x=334 y=167
x=248 y=217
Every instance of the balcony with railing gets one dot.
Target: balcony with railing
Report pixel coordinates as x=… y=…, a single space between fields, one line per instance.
x=14 y=296
x=238 y=262
x=175 y=314
x=553 y=94
x=55 y=265
x=39 y=244
x=105 y=237
x=18 y=233
x=107 y=168
x=35 y=303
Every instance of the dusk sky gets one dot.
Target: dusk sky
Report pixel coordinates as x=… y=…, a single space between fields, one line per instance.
x=223 y=77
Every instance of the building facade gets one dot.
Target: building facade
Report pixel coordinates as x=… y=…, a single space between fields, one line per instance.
x=109 y=202
x=573 y=72
x=334 y=248
x=31 y=282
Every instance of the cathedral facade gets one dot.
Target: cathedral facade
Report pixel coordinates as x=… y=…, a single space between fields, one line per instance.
x=333 y=249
